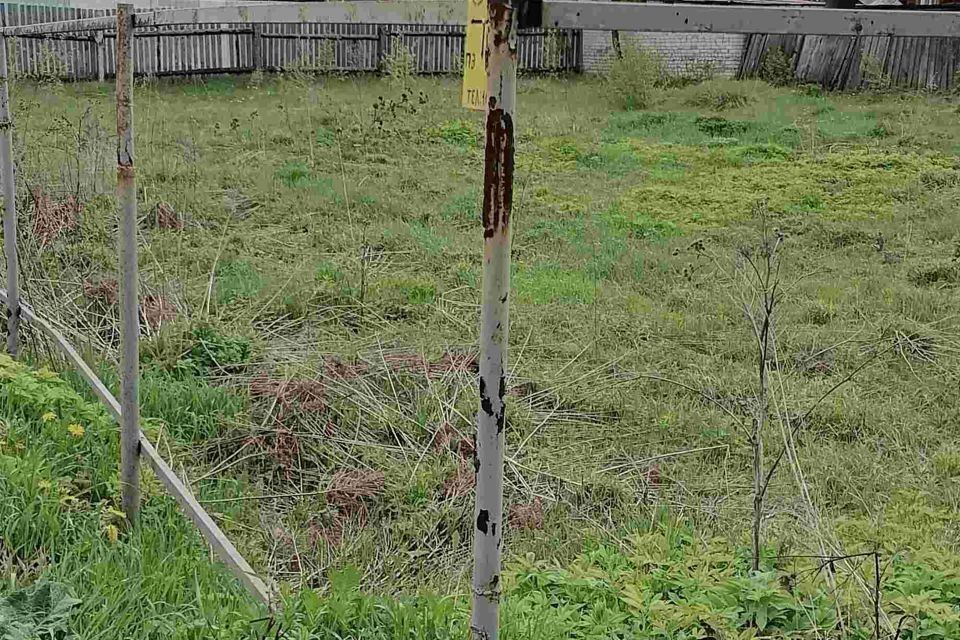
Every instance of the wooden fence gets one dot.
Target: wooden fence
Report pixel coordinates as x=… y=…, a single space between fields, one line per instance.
x=230 y=48
x=852 y=62
x=835 y=62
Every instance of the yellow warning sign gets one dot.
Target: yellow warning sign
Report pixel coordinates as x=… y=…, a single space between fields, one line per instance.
x=474 y=92
x=477 y=11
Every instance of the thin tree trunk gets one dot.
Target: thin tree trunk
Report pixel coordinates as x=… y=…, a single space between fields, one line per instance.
x=768 y=297
x=494 y=316
x=758 y=489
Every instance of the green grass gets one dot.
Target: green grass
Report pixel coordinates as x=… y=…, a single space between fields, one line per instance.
x=58 y=455
x=326 y=284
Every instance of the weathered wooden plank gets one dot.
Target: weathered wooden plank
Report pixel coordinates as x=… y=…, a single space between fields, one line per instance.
x=934 y=65
x=945 y=65
x=923 y=66
x=190 y=54
x=223 y=51
x=940 y=63
x=213 y=52
x=923 y=60
x=903 y=61
x=913 y=62
x=950 y=68
x=889 y=56
x=909 y=63
x=912 y=72
x=855 y=78
x=804 y=60
x=193 y=48
x=895 y=52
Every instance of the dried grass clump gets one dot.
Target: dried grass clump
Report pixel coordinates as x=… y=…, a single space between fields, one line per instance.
x=460 y=482
x=526 y=515
x=106 y=291
x=290 y=394
x=155 y=310
x=51 y=218
x=448 y=439
x=167 y=218
x=348 y=489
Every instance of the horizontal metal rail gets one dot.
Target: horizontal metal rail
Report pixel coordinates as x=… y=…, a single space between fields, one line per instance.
x=210 y=31
x=362 y=11
x=62 y=37
x=320 y=36
x=682 y=17
x=212 y=533
x=64 y=26
x=568 y=14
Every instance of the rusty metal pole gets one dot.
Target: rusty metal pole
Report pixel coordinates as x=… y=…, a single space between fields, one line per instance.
x=129 y=298
x=10 y=208
x=501 y=64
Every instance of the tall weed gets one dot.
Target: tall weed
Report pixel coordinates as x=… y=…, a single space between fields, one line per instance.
x=633 y=78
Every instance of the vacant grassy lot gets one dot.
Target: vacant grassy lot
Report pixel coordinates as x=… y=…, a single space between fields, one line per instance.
x=311 y=262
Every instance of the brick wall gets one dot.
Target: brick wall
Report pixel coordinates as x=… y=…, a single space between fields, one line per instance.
x=680 y=51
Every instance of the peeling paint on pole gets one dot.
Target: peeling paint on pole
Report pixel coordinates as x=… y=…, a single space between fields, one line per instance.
x=501 y=64
x=129 y=296
x=10 y=208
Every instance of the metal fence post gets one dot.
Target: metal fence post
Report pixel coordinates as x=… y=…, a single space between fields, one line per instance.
x=130 y=330
x=501 y=62
x=10 y=207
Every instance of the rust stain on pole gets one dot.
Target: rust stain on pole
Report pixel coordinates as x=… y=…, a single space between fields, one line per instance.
x=501 y=65
x=129 y=295
x=498 y=171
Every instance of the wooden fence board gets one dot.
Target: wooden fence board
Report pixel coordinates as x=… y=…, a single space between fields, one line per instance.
x=836 y=61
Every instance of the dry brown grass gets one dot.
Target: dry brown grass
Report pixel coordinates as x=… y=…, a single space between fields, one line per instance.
x=526 y=515
x=349 y=488
x=291 y=395
x=156 y=310
x=106 y=291
x=167 y=218
x=460 y=482
x=448 y=439
x=349 y=492
x=52 y=218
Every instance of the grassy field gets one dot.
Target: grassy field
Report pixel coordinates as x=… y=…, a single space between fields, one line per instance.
x=311 y=265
